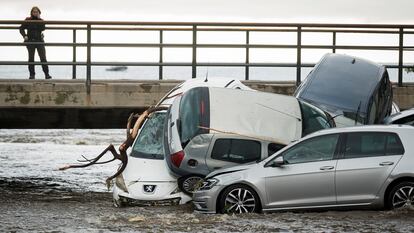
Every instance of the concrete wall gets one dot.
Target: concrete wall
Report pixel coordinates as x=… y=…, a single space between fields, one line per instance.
x=121 y=94
x=65 y=104
x=64 y=94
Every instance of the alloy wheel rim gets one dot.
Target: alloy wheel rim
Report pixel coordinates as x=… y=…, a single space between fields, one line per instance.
x=404 y=196
x=190 y=184
x=240 y=201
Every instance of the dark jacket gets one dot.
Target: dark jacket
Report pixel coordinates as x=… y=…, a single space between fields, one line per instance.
x=34 y=30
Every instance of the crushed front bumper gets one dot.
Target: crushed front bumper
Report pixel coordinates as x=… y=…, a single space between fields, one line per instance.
x=205 y=201
x=138 y=198
x=135 y=202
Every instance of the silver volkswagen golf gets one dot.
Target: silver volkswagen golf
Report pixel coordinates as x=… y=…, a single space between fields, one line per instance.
x=366 y=166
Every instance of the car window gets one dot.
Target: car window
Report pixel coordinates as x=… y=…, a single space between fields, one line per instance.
x=369 y=144
x=394 y=145
x=405 y=121
x=236 y=150
x=149 y=143
x=313 y=119
x=273 y=148
x=315 y=149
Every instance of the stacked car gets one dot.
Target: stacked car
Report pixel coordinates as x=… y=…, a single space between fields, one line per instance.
x=236 y=150
x=146 y=179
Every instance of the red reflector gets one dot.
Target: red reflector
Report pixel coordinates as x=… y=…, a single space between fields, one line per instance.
x=177 y=158
x=202 y=108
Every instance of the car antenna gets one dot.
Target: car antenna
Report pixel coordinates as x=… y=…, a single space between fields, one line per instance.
x=357 y=113
x=206 y=80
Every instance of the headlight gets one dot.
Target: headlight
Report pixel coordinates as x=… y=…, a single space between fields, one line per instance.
x=208 y=184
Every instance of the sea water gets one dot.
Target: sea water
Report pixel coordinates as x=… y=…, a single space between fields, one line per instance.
x=168 y=73
x=34 y=156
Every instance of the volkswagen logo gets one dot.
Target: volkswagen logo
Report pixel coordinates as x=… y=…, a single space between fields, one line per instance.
x=149 y=188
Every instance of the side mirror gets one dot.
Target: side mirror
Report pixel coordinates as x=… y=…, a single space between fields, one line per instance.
x=278 y=162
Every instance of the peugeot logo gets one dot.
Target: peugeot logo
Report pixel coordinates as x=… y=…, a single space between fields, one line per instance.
x=149 y=188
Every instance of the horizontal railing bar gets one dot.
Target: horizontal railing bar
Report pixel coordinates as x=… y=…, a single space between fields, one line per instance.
x=160 y=64
x=221 y=29
x=157 y=45
x=222 y=24
x=215 y=29
x=63 y=63
x=47 y=28
x=57 y=44
x=176 y=64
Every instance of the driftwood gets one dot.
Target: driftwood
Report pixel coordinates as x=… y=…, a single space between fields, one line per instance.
x=131 y=134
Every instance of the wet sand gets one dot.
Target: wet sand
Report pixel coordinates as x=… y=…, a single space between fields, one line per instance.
x=30 y=206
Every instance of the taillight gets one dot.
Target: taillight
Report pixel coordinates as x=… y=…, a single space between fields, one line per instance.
x=202 y=108
x=177 y=158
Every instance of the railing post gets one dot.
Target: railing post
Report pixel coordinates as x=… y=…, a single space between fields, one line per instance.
x=334 y=42
x=74 y=54
x=246 y=71
x=88 y=59
x=194 y=61
x=161 y=59
x=400 y=58
x=299 y=56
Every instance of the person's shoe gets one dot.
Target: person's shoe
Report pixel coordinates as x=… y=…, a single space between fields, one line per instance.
x=48 y=77
x=31 y=77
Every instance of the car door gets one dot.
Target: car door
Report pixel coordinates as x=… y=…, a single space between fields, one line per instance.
x=307 y=177
x=366 y=162
x=232 y=151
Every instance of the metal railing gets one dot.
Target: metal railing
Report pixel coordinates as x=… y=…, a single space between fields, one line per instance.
x=195 y=28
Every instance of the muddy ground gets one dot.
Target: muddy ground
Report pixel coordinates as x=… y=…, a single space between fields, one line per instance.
x=30 y=205
x=36 y=197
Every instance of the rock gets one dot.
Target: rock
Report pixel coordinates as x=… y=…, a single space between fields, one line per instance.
x=138 y=218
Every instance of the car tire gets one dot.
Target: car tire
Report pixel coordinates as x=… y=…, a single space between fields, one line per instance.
x=188 y=184
x=239 y=199
x=401 y=195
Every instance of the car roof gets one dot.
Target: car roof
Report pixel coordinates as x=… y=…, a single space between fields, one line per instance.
x=347 y=82
x=205 y=82
x=364 y=128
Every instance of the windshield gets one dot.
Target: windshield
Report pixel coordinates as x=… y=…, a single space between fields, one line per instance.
x=149 y=144
x=313 y=119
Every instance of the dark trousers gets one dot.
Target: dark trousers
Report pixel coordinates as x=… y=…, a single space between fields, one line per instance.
x=42 y=55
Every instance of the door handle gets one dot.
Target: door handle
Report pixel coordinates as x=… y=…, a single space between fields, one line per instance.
x=388 y=163
x=217 y=167
x=326 y=168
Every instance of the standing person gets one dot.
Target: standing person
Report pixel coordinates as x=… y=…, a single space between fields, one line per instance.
x=35 y=34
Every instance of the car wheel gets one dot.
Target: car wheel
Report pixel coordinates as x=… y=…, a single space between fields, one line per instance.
x=401 y=195
x=239 y=199
x=188 y=184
